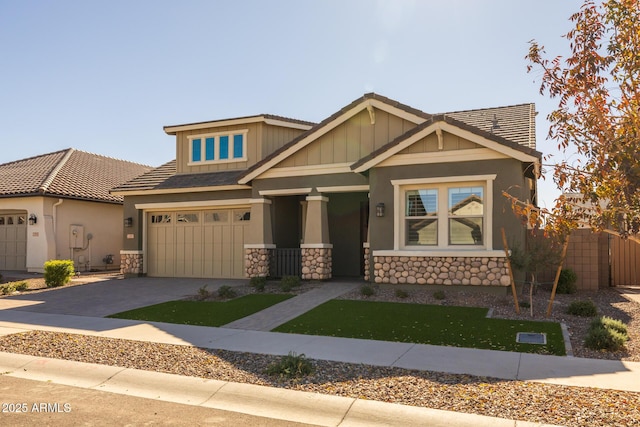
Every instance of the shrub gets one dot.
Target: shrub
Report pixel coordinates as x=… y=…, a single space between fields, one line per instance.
x=567 y=282
x=439 y=295
x=401 y=293
x=58 y=272
x=226 y=292
x=287 y=283
x=7 y=289
x=291 y=366
x=367 y=291
x=606 y=334
x=22 y=286
x=583 y=308
x=258 y=283
x=203 y=293
x=524 y=304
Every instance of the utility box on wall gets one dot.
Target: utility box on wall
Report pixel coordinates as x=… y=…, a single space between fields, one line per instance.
x=76 y=236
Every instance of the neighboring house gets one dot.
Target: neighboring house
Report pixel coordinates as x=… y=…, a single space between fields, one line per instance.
x=58 y=206
x=378 y=190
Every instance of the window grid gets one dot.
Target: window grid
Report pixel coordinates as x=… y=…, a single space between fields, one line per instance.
x=214 y=148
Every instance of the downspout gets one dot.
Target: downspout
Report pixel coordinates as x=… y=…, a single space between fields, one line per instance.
x=55 y=226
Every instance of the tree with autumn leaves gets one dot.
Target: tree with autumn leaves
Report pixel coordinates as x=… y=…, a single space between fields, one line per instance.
x=598 y=115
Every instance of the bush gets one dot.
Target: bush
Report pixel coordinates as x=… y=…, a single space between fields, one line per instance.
x=58 y=272
x=524 y=304
x=258 y=283
x=226 y=292
x=606 y=334
x=203 y=293
x=567 y=282
x=7 y=289
x=367 y=291
x=439 y=295
x=22 y=286
x=291 y=366
x=583 y=308
x=401 y=293
x=287 y=283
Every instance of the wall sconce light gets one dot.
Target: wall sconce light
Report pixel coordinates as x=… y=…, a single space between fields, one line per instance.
x=128 y=222
x=380 y=209
x=33 y=219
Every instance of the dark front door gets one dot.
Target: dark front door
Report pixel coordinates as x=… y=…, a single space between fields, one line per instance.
x=345 y=233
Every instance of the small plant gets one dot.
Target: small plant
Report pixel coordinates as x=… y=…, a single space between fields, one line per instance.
x=583 y=308
x=203 y=293
x=524 y=304
x=58 y=272
x=287 y=283
x=439 y=295
x=606 y=333
x=258 y=283
x=367 y=291
x=567 y=282
x=401 y=293
x=7 y=289
x=226 y=292
x=22 y=286
x=291 y=366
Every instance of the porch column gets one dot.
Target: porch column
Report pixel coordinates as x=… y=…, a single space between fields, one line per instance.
x=316 y=248
x=260 y=239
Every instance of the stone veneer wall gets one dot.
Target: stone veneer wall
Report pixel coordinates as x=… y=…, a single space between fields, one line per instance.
x=475 y=271
x=131 y=264
x=256 y=262
x=367 y=263
x=316 y=263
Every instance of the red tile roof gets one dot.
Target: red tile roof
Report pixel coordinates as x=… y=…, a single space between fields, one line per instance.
x=69 y=174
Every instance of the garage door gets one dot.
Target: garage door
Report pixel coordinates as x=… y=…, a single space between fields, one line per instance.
x=207 y=243
x=13 y=241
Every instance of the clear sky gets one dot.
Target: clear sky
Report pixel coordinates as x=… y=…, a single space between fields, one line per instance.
x=106 y=76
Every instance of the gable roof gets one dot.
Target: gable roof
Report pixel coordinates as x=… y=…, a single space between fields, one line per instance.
x=366 y=101
x=165 y=179
x=69 y=173
x=444 y=121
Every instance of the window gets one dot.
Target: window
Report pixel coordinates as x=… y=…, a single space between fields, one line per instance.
x=435 y=213
x=216 y=216
x=161 y=219
x=218 y=147
x=242 y=215
x=188 y=218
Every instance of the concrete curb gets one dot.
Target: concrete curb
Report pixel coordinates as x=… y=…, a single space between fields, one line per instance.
x=276 y=403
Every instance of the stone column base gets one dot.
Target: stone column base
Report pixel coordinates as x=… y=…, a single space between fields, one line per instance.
x=316 y=263
x=367 y=262
x=256 y=262
x=131 y=263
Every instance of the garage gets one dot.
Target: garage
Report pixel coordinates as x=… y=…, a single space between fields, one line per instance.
x=205 y=243
x=13 y=241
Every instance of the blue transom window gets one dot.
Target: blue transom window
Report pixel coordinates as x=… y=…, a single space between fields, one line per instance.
x=218 y=147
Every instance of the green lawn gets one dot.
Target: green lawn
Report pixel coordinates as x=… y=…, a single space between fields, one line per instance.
x=425 y=324
x=204 y=313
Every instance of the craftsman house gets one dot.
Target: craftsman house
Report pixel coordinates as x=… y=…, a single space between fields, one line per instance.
x=378 y=190
x=58 y=206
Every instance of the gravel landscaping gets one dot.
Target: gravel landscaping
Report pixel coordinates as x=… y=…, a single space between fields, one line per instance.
x=527 y=401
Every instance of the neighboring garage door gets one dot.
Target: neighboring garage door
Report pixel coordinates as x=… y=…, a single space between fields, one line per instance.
x=207 y=243
x=13 y=241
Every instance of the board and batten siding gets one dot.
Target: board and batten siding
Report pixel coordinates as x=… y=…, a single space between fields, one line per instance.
x=351 y=140
x=430 y=144
x=274 y=137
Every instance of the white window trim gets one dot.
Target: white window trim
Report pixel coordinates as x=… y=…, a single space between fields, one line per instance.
x=216 y=147
x=401 y=185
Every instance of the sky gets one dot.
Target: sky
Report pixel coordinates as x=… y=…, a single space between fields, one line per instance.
x=106 y=76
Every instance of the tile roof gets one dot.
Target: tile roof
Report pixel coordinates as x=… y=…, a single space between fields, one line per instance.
x=69 y=174
x=515 y=123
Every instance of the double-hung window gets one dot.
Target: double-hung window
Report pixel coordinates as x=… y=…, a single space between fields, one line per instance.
x=218 y=147
x=436 y=214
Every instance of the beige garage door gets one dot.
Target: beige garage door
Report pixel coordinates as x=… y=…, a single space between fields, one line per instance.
x=208 y=243
x=13 y=241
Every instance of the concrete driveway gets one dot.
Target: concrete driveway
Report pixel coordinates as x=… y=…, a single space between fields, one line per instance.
x=110 y=296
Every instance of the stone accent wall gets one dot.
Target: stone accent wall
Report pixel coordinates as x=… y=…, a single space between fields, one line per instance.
x=474 y=271
x=316 y=263
x=256 y=262
x=367 y=263
x=131 y=264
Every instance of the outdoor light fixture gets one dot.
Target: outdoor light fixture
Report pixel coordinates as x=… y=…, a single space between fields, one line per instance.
x=128 y=222
x=380 y=209
x=33 y=219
